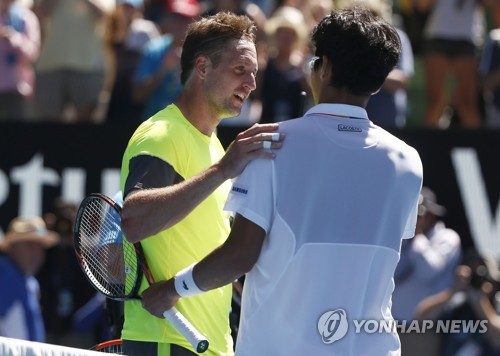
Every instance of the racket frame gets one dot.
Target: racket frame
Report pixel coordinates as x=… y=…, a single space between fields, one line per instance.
x=194 y=337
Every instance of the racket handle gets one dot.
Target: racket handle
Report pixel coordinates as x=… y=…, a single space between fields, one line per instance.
x=179 y=321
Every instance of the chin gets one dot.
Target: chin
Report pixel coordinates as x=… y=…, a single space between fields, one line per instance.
x=232 y=113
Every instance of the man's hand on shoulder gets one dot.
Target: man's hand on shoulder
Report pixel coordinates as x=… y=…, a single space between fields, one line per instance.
x=258 y=141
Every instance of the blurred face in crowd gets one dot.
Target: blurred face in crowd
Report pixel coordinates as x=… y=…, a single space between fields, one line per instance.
x=4 y=5
x=29 y=256
x=286 y=38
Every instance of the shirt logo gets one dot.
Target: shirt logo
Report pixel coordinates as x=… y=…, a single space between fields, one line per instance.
x=239 y=190
x=349 y=128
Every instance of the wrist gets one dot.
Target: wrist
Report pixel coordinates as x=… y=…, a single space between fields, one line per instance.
x=220 y=172
x=184 y=283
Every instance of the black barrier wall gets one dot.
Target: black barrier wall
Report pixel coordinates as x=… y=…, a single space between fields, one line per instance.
x=43 y=161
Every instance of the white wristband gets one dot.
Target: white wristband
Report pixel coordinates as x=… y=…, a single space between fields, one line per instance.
x=184 y=283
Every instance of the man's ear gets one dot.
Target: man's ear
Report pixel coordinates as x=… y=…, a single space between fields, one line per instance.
x=326 y=68
x=200 y=66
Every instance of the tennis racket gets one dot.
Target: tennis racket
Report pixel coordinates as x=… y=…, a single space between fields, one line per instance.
x=114 y=266
x=110 y=347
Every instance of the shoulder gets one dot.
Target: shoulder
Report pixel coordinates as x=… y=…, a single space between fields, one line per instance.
x=159 y=128
x=164 y=132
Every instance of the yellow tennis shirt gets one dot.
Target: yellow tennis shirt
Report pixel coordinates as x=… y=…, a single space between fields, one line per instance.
x=169 y=136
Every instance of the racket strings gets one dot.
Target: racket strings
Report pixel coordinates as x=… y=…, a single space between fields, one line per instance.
x=110 y=259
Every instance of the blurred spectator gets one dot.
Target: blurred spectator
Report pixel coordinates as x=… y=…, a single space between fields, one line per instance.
x=157 y=81
x=426 y=267
x=19 y=48
x=22 y=253
x=473 y=297
x=283 y=81
x=428 y=260
x=306 y=9
x=125 y=36
x=70 y=69
x=238 y=7
x=489 y=69
x=318 y=9
x=389 y=107
x=414 y=14
x=453 y=33
x=65 y=288
x=154 y=9
x=250 y=9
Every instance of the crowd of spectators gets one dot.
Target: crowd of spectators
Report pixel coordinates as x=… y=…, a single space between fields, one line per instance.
x=102 y=61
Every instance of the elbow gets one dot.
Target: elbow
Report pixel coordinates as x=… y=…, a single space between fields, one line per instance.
x=244 y=267
x=243 y=262
x=131 y=230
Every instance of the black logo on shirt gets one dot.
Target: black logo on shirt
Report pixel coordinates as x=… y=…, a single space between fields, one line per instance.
x=240 y=190
x=343 y=127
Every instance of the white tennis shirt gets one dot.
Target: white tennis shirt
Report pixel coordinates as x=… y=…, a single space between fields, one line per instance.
x=335 y=203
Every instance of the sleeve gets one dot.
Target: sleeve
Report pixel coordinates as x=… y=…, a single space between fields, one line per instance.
x=147 y=171
x=253 y=193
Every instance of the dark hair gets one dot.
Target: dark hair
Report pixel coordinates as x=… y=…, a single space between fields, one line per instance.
x=362 y=47
x=210 y=36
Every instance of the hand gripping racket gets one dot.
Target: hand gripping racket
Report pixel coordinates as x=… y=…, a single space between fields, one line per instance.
x=114 y=266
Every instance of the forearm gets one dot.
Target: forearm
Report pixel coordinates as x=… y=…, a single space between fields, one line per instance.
x=150 y=211
x=485 y=311
x=396 y=80
x=219 y=269
x=432 y=307
x=234 y=258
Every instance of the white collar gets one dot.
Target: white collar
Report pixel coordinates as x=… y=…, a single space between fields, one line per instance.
x=339 y=110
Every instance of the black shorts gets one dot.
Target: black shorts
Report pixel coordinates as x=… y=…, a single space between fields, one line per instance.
x=450 y=48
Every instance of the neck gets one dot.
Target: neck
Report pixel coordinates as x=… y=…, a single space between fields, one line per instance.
x=197 y=112
x=340 y=96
